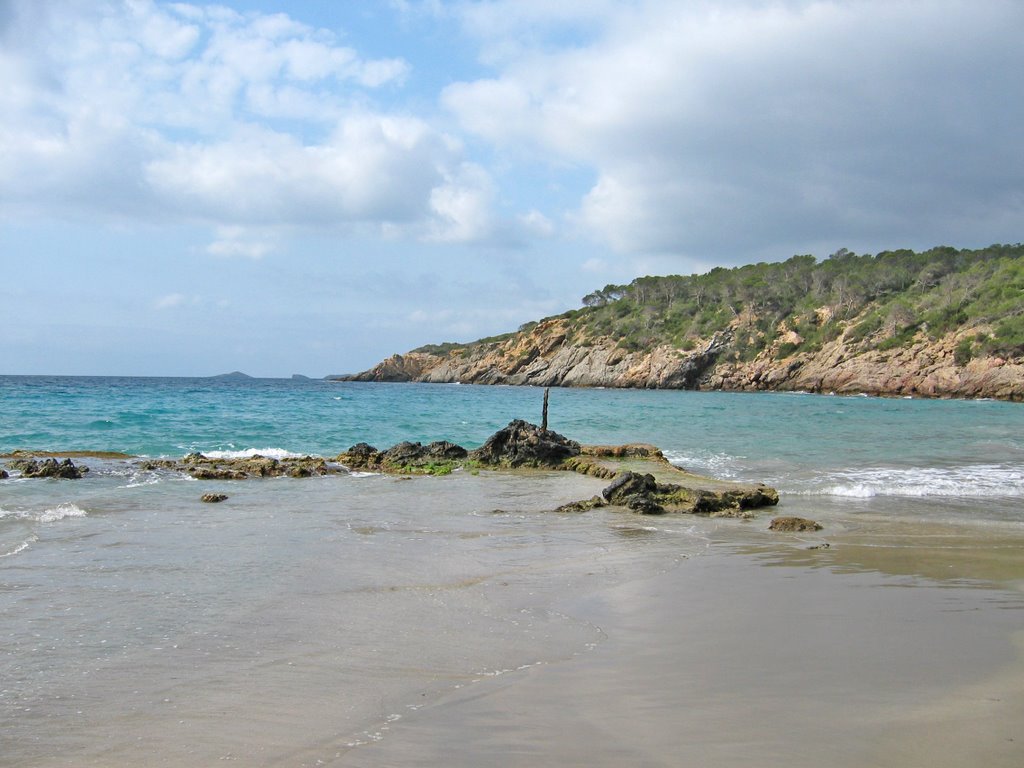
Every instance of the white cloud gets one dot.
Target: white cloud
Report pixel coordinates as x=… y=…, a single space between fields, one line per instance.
x=462 y=206
x=727 y=126
x=172 y=112
x=373 y=168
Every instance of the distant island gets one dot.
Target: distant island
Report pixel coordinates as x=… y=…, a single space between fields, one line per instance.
x=234 y=376
x=940 y=323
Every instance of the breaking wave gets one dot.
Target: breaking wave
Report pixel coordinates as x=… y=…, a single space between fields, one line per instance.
x=51 y=515
x=248 y=453
x=984 y=481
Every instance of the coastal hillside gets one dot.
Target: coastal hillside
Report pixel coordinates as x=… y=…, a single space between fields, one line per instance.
x=941 y=323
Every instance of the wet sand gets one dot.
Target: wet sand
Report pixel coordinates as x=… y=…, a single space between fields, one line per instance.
x=764 y=654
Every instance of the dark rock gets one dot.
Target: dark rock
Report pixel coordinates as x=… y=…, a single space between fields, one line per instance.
x=446 y=451
x=360 y=455
x=216 y=473
x=260 y=466
x=793 y=525
x=628 y=485
x=644 y=494
x=403 y=454
x=582 y=506
x=522 y=444
x=213 y=498
x=645 y=505
x=65 y=470
x=3 y=474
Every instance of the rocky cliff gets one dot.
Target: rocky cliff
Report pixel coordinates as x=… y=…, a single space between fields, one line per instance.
x=550 y=354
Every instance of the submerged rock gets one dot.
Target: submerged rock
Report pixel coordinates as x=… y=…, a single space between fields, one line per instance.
x=213 y=498
x=584 y=505
x=793 y=525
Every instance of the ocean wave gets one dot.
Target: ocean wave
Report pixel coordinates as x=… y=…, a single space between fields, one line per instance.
x=715 y=464
x=19 y=547
x=248 y=453
x=50 y=515
x=978 y=481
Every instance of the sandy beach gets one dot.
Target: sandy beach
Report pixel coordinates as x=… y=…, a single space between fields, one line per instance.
x=765 y=654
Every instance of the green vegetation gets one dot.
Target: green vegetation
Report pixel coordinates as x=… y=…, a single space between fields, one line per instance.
x=880 y=302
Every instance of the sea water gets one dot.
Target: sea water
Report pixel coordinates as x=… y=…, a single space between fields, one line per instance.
x=303 y=616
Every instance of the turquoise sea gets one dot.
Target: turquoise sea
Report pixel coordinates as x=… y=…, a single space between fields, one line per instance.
x=857 y=447
x=301 y=618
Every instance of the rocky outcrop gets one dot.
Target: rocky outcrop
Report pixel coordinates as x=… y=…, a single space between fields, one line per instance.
x=517 y=446
x=923 y=368
x=408 y=367
x=205 y=468
x=547 y=356
x=522 y=444
x=551 y=355
x=64 y=470
x=644 y=494
x=439 y=457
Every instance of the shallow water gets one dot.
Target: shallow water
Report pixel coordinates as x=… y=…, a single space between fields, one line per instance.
x=301 y=617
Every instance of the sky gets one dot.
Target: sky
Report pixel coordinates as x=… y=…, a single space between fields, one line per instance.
x=309 y=187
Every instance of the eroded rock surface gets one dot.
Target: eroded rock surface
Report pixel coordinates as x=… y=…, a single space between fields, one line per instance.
x=65 y=470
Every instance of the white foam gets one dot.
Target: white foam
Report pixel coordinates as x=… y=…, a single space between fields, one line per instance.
x=21 y=547
x=248 y=453
x=50 y=515
x=60 y=512
x=716 y=465
x=985 y=480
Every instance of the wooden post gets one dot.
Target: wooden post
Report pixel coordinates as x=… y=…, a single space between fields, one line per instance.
x=544 y=414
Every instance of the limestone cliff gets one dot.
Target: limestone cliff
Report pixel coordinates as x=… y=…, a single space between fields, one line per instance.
x=941 y=323
x=548 y=355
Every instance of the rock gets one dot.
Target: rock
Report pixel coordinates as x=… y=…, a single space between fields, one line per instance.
x=644 y=494
x=582 y=506
x=360 y=455
x=65 y=470
x=547 y=355
x=628 y=485
x=793 y=525
x=217 y=473
x=522 y=444
x=442 y=450
x=644 y=505
x=213 y=498
x=3 y=474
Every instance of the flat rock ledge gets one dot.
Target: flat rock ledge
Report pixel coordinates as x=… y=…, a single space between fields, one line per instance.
x=205 y=468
